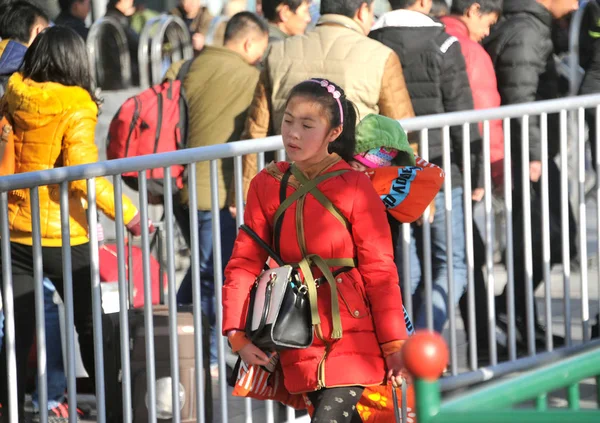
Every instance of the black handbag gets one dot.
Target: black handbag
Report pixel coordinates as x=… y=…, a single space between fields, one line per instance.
x=279 y=314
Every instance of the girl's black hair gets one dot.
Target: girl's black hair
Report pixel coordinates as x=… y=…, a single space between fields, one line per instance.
x=345 y=143
x=59 y=55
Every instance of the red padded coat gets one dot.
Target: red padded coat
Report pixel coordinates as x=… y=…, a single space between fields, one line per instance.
x=482 y=79
x=369 y=295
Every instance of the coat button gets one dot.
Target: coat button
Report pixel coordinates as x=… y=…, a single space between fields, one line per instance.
x=356 y=313
x=339 y=280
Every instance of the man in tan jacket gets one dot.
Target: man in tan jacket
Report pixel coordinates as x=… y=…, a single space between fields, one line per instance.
x=218 y=88
x=339 y=50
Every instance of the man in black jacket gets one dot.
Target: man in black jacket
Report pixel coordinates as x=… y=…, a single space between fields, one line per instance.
x=73 y=15
x=589 y=59
x=521 y=49
x=436 y=78
x=121 y=11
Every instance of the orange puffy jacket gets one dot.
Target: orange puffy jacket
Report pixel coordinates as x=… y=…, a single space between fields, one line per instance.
x=7 y=146
x=53 y=127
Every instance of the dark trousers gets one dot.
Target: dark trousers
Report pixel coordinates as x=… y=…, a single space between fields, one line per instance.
x=24 y=306
x=205 y=243
x=336 y=404
x=536 y=235
x=481 y=307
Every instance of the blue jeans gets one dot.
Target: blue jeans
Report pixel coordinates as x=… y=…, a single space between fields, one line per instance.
x=57 y=382
x=439 y=262
x=207 y=283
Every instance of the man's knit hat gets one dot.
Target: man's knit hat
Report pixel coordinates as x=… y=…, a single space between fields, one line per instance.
x=381 y=141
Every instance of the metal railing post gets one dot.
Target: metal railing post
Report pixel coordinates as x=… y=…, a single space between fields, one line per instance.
x=574 y=32
x=100 y=29
x=152 y=37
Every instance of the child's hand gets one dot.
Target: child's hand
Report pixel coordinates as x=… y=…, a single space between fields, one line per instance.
x=419 y=222
x=396 y=370
x=478 y=194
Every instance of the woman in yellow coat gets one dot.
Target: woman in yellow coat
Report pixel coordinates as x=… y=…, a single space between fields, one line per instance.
x=53 y=112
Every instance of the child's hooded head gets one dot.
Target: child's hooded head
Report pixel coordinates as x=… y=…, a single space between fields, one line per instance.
x=381 y=142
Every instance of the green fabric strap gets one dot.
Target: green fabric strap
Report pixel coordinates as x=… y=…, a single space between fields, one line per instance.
x=299 y=195
x=341 y=262
x=309 y=282
x=305 y=188
x=320 y=197
x=311 y=285
x=335 y=303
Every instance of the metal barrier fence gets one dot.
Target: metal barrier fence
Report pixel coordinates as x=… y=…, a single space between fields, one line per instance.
x=104 y=27
x=62 y=177
x=153 y=36
x=163 y=40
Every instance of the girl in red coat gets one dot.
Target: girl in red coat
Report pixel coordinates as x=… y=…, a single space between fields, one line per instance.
x=319 y=137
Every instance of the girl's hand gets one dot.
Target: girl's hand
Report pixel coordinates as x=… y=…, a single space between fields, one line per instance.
x=396 y=370
x=253 y=355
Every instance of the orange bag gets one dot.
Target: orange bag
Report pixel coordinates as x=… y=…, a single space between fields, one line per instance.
x=255 y=382
x=7 y=147
x=375 y=405
x=407 y=191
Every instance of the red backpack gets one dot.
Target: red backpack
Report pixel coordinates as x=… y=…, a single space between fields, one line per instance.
x=154 y=121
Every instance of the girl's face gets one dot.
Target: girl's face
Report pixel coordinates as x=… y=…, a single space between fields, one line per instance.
x=306 y=131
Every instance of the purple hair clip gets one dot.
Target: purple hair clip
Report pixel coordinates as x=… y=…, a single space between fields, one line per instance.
x=331 y=89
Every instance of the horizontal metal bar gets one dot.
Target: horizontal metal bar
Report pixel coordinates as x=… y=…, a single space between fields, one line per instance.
x=493 y=372
x=136 y=164
x=192 y=155
x=512 y=111
x=529 y=384
x=518 y=416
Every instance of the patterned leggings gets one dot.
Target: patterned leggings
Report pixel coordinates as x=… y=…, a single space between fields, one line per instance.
x=336 y=405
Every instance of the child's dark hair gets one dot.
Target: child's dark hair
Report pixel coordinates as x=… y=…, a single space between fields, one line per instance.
x=318 y=89
x=59 y=55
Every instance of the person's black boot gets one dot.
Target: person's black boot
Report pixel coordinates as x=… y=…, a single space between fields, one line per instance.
x=596 y=327
x=539 y=336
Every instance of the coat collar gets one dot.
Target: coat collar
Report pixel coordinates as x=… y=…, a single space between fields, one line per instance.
x=331 y=162
x=12 y=54
x=275 y=33
x=531 y=7
x=455 y=26
x=224 y=51
x=403 y=18
x=340 y=20
x=318 y=168
x=36 y=102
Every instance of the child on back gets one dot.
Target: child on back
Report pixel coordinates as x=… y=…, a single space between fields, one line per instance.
x=406 y=183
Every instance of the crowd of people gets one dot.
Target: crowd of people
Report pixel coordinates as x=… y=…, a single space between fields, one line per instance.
x=267 y=73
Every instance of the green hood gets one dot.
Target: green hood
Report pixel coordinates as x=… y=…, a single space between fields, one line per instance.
x=376 y=131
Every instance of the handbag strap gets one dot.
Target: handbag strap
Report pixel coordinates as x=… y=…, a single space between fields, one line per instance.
x=263 y=244
x=278 y=221
x=266 y=307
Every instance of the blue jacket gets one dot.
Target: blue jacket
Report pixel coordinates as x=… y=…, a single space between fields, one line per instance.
x=12 y=54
